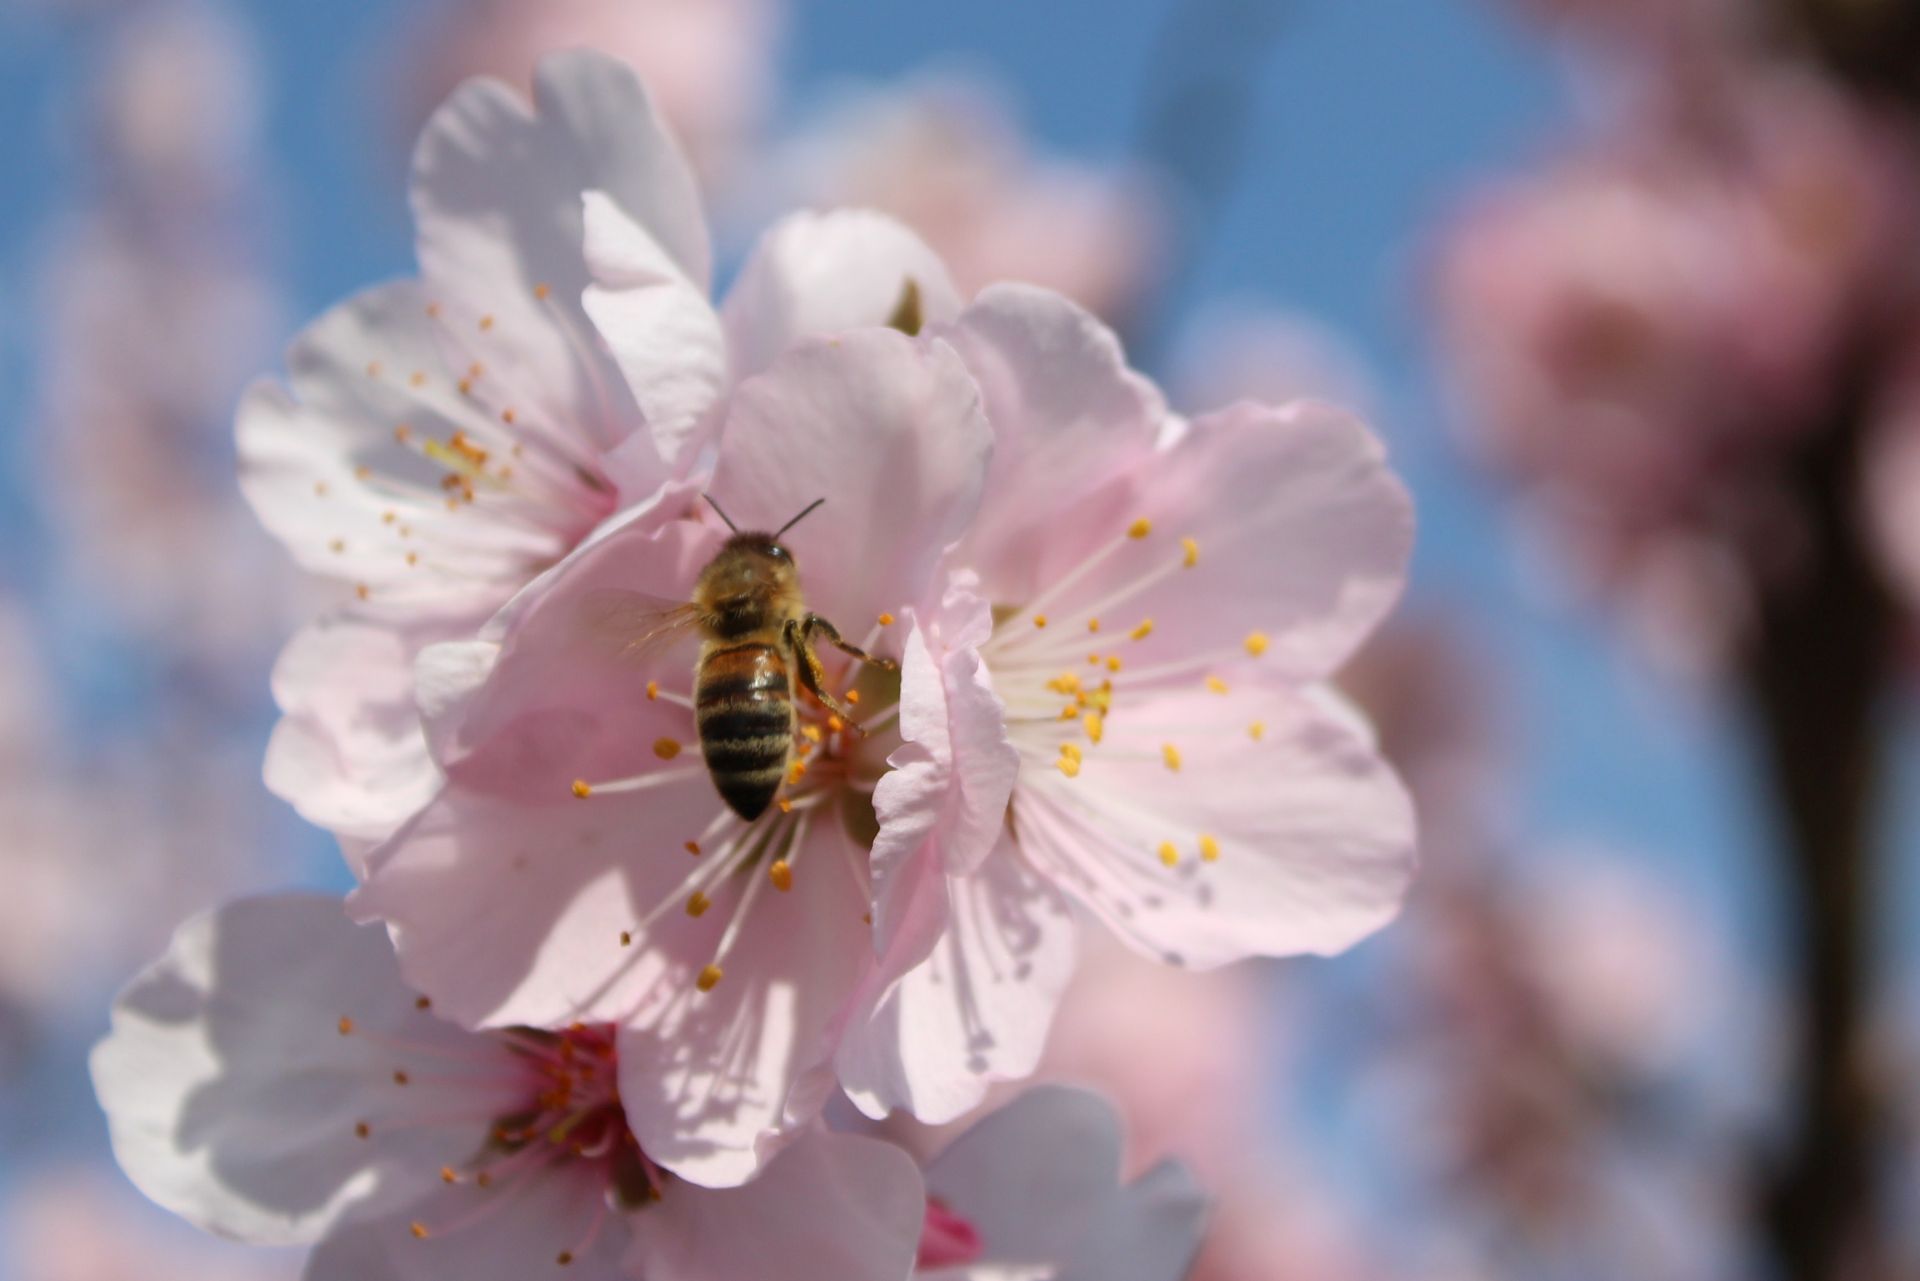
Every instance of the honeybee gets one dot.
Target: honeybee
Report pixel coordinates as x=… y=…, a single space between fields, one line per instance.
x=756 y=632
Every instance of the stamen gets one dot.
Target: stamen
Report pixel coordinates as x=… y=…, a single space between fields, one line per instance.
x=418 y=1229
x=1143 y=631
x=1171 y=755
x=692 y=847
x=1256 y=643
x=345 y=1025
x=1113 y=662
x=1094 y=724
x=653 y=690
x=1209 y=849
x=582 y=788
x=1169 y=854
x=886 y=619
x=697 y=905
x=666 y=748
x=1093 y=624
x=1217 y=685
x=1257 y=731
x=1140 y=528
x=781 y=874
x=709 y=978
x=1191 y=549
x=1039 y=620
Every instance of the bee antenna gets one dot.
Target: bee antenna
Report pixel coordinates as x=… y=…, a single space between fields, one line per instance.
x=804 y=513
x=723 y=515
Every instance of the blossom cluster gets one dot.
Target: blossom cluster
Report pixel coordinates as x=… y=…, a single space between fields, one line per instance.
x=1072 y=675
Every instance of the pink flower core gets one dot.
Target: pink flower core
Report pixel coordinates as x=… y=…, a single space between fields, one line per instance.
x=544 y=1100
x=946 y=1239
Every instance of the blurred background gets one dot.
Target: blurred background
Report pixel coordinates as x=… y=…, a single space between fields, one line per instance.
x=1632 y=288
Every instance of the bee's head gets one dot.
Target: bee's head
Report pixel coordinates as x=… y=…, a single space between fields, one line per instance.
x=759 y=554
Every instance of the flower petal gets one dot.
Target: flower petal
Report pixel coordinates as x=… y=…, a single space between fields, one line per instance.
x=1067 y=415
x=233 y=1096
x=815 y=274
x=505 y=1233
x=1033 y=1176
x=1280 y=530
x=889 y=431
x=977 y=1010
x=1150 y=1231
x=1200 y=843
x=661 y=330
x=831 y=1205
x=715 y=1082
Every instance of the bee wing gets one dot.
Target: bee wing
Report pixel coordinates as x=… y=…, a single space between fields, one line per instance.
x=633 y=625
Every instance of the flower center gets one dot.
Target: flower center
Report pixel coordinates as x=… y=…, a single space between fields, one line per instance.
x=946 y=1239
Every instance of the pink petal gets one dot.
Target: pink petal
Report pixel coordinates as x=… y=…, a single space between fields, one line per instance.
x=977 y=1010
x=815 y=274
x=233 y=1097
x=1311 y=832
x=1150 y=1231
x=831 y=1206
x=1282 y=529
x=1067 y=415
x=889 y=431
x=661 y=330
x=715 y=1082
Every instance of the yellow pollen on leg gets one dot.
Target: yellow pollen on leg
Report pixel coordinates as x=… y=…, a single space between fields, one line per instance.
x=1190 y=553
x=1171 y=755
x=1143 y=631
x=697 y=904
x=781 y=874
x=1209 y=849
x=582 y=788
x=709 y=978
x=653 y=690
x=1217 y=685
x=666 y=748
x=1094 y=724
x=1256 y=643
x=1169 y=854
x=1140 y=528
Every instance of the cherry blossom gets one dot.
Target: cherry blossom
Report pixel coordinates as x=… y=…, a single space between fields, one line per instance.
x=579 y=863
x=271 y=1080
x=1034 y=1190
x=445 y=441
x=1145 y=613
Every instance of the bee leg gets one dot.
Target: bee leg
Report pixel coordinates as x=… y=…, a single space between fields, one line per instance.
x=815 y=623
x=812 y=678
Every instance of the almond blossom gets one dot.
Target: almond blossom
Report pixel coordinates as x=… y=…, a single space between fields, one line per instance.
x=271 y=1080
x=1145 y=611
x=446 y=440
x=578 y=863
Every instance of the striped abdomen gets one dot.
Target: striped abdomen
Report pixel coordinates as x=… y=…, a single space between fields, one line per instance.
x=744 y=710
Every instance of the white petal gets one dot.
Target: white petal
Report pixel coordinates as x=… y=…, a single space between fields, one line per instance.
x=1149 y=1231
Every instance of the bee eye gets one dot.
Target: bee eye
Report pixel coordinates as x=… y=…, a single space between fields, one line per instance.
x=776 y=551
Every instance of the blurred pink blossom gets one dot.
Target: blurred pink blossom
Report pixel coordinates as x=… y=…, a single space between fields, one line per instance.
x=75 y=1223
x=944 y=155
x=707 y=64
x=1246 y=350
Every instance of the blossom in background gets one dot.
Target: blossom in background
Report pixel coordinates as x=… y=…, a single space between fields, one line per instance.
x=270 y=1079
x=446 y=441
x=1642 y=335
x=944 y=155
x=1116 y=615
x=708 y=64
x=1247 y=350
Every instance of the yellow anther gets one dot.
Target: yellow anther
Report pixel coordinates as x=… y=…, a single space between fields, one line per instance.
x=653 y=690
x=337 y=546
x=564 y=1258
x=1093 y=659
x=692 y=847
x=319 y=489
x=507 y=416
x=835 y=724
x=1169 y=854
x=796 y=771
x=448 y=1175
x=697 y=904
x=1039 y=620
x=1093 y=624
x=1070 y=751
x=486 y=323
x=1101 y=698
x=781 y=874
x=413 y=558
x=345 y=1025
x=786 y=806
x=1113 y=662
x=626 y=938
x=362 y=591
x=812 y=732
x=1217 y=685
x=1069 y=766
x=402 y=434
x=582 y=788
x=418 y=1229
x=1070 y=711
x=1209 y=849
x=1257 y=731
x=1256 y=643
x=1171 y=755
x=1143 y=631
x=1192 y=552
x=666 y=748
x=541 y=291
x=1094 y=725
x=388 y=517
x=1065 y=683
x=417 y=378
x=362 y=472
x=853 y=696
x=433 y=311
x=1140 y=528
x=361 y=1130
x=709 y=978
x=373 y=369
x=465 y=386
x=400 y=1077
x=886 y=619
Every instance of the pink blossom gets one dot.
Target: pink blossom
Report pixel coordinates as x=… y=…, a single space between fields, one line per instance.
x=1034 y=1190
x=945 y=156
x=271 y=1080
x=1124 y=620
x=551 y=878
x=446 y=441
x=708 y=64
